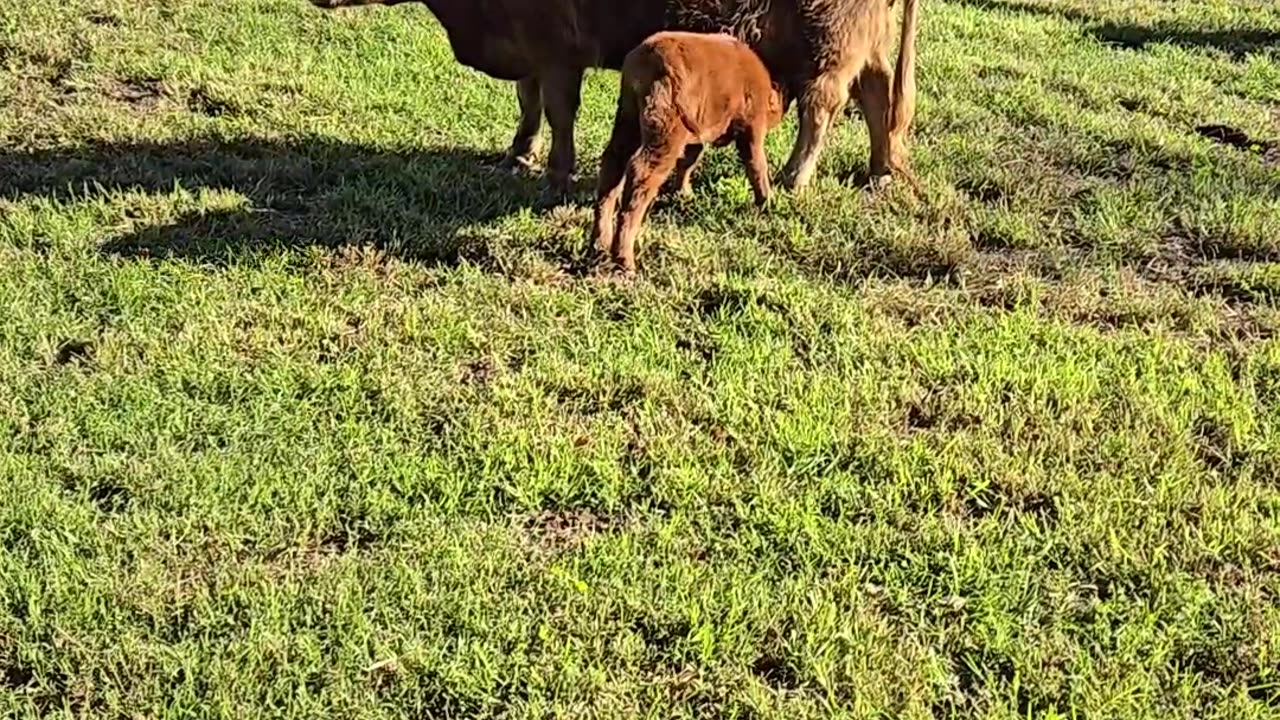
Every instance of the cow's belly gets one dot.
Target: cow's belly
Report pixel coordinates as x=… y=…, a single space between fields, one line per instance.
x=497 y=57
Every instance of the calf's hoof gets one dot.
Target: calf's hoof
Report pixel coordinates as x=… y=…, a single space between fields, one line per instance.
x=680 y=192
x=624 y=267
x=869 y=183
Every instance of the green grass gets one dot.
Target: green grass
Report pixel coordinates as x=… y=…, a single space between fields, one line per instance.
x=306 y=413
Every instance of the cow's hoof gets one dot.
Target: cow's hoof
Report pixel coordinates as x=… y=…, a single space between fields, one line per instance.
x=516 y=164
x=559 y=190
x=562 y=183
x=553 y=197
x=792 y=180
x=601 y=247
x=879 y=183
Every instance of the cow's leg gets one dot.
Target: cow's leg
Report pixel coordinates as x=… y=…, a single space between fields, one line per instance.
x=645 y=175
x=561 y=94
x=854 y=105
x=524 y=146
x=888 y=144
x=623 y=142
x=823 y=99
x=751 y=151
x=874 y=99
x=681 y=182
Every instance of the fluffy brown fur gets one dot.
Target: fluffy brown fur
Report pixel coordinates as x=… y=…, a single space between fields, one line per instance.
x=680 y=91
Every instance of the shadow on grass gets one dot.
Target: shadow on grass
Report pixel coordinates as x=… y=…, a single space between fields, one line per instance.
x=1237 y=42
x=414 y=203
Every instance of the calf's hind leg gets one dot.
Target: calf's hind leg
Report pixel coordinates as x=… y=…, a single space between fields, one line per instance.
x=682 y=181
x=645 y=175
x=623 y=142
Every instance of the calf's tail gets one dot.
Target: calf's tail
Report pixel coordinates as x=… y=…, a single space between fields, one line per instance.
x=656 y=84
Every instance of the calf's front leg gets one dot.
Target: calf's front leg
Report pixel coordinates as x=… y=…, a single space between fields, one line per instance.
x=751 y=150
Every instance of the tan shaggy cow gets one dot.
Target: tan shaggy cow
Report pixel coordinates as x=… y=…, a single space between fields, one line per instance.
x=680 y=91
x=817 y=48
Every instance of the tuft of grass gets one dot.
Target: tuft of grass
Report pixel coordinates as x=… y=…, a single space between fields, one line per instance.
x=306 y=411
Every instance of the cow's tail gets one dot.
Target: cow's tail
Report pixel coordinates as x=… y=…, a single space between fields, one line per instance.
x=904 y=82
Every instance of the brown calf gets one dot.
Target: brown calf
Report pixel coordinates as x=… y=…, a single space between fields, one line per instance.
x=679 y=92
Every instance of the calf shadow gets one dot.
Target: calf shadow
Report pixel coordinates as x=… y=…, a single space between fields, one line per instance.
x=413 y=203
x=1237 y=42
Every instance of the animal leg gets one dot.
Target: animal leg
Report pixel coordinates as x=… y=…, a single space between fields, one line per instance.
x=623 y=142
x=888 y=140
x=822 y=101
x=524 y=146
x=904 y=91
x=681 y=182
x=561 y=94
x=873 y=98
x=751 y=151
x=645 y=175
x=854 y=105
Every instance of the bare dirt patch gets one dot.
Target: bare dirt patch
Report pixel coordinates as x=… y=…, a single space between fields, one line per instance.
x=141 y=93
x=73 y=351
x=1269 y=150
x=557 y=531
x=206 y=102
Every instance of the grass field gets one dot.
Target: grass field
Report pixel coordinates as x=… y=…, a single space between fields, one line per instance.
x=306 y=412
